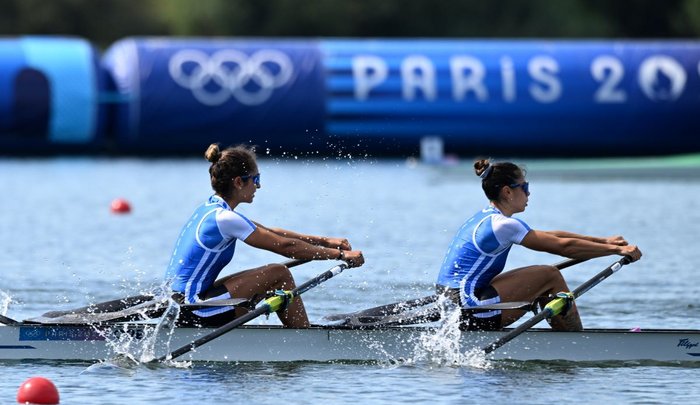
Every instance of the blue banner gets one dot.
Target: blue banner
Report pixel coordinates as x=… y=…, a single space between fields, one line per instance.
x=184 y=94
x=517 y=97
x=546 y=98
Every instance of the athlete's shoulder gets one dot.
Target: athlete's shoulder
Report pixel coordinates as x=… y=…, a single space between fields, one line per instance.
x=234 y=224
x=509 y=228
x=231 y=215
x=501 y=220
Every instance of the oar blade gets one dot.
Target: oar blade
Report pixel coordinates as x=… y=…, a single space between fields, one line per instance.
x=385 y=310
x=146 y=310
x=111 y=306
x=426 y=314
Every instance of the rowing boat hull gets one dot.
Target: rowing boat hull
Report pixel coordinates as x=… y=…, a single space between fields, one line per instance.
x=275 y=344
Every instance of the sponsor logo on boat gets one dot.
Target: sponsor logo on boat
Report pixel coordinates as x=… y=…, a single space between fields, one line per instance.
x=687 y=343
x=78 y=333
x=36 y=333
x=137 y=334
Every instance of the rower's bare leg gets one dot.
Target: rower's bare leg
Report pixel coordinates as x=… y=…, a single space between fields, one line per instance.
x=255 y=283
x=533 y=283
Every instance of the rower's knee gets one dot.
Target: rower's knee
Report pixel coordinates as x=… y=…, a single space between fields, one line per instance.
x=552 y=272
x=283 y=274
x=555 y=279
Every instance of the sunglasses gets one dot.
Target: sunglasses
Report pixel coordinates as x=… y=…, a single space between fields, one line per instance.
x=525 y=186
x=255 y=177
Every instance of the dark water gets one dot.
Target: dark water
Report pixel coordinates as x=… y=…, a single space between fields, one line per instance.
x=60 y=247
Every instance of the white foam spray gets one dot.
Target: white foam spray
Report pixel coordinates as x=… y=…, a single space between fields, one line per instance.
x=135 y=346
x=442 y=347
x=5 y=301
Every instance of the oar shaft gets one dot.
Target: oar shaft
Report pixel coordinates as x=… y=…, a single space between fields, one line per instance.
x=548 y=311
x=319 y=279
x=264 y=308
x=294 y=262
x=568 y=263
x=583 y=288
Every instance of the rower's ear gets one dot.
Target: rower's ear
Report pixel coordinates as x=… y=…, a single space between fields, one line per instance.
x=238 y=183
x=506 y=193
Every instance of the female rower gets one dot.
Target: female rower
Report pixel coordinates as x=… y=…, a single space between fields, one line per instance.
x=471 y=272
x=208 y=241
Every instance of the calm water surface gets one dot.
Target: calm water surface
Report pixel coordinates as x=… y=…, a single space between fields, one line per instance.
x=60 y=247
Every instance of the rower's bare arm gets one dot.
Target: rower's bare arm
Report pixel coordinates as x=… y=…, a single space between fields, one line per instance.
x=576 y=248
x=264 y=238
x=612 y=240
x=330 y=242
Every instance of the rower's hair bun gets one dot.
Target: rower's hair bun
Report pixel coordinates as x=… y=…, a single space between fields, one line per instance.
x=480 y=166
x=213 y=153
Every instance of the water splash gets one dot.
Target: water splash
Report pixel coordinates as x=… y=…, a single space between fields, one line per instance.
x=5 y=301
x=134 y=348
x=138 y=345
x=165 y=329
x=442 y=347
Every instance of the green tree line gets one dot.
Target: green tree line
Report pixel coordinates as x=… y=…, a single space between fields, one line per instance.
x=105 y=21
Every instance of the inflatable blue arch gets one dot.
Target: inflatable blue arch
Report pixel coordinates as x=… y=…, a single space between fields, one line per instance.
x=49 y=100
x=380 y=97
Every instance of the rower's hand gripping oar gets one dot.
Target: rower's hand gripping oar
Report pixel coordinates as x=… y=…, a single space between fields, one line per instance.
x=267 y=306
x=557 y=305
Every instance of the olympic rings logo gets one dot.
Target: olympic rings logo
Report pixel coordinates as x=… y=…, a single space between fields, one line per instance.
x=230 y=73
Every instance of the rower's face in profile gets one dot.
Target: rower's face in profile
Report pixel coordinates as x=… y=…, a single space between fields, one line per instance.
x=250 y=185
x=521 y=194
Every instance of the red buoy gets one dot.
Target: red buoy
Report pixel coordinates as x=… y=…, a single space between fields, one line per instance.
x=37 y=390
x=120 y=206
